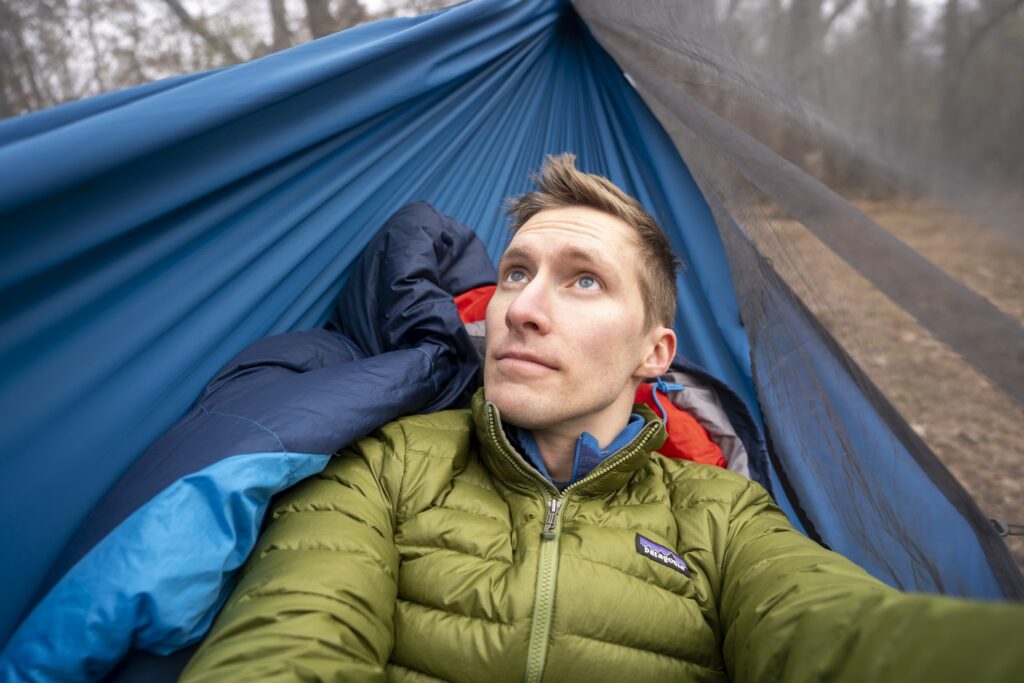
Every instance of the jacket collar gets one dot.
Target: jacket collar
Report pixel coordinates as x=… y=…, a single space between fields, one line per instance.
x=511 y=467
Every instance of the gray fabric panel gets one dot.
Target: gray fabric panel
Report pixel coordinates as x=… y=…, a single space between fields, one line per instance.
x=477 y=333
x=702 y=403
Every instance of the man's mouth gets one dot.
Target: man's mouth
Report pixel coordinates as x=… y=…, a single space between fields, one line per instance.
x=524 y=361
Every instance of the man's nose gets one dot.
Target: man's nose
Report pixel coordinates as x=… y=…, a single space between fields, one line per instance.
x=530 y=310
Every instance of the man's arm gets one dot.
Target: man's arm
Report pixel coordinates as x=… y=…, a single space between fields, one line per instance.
x=317 y=598
x=793 y=611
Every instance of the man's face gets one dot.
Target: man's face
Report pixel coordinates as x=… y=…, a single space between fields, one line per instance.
x=566 y=343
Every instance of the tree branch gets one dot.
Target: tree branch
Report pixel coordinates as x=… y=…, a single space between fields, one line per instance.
x=282 y=34
x=982 y=31
x=838 y=10
x=199 y=28
x=97 y=60
x=318 y=16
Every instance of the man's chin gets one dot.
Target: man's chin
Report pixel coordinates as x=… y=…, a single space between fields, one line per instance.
x=522 y=408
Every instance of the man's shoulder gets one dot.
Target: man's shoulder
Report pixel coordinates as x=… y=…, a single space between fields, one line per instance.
x=443 y=434
x=457 y=419
x=690 y=482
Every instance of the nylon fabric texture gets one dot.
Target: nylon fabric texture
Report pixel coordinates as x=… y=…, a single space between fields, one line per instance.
x=139 y=574
x=64 y=637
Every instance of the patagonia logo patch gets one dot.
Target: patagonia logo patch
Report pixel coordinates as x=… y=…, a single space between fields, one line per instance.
x=661 y=555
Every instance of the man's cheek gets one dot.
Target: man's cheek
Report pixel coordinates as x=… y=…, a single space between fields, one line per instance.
x=495 y=313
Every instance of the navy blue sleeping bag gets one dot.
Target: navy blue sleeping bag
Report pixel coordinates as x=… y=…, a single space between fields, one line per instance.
x=153 y=562
x=147 y=572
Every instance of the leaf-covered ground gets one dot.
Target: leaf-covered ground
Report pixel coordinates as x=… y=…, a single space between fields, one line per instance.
x=976 y=429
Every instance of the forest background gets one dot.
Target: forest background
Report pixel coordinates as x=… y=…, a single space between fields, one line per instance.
x=923 y=72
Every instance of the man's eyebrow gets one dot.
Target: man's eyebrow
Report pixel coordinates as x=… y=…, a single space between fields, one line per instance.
x=580 y=255
x=574 y=254
x=515 y=254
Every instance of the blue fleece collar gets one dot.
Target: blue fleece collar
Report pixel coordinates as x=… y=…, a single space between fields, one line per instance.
x=587 y=456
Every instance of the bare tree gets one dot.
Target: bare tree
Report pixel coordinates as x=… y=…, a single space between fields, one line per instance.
x=282 y=33
x=19 y=84
x=870 y=68
x=952 y=42
x=350 y=13
x=198 y=27
x=319 y=18
x=996 y=13
x=89 y=11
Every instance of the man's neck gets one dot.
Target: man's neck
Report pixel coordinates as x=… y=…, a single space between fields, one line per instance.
x=557 y=445
x=556 y=449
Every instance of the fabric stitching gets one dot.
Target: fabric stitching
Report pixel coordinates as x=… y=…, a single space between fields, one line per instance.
x=284 y=511
x=250 y=420
x=464 y=482
x=271 y=593
x=451 y=508
x=448 y=612
x=402 y=667
x=688 y=662
x=430 y=361
x=461 y=430
x=442 y=549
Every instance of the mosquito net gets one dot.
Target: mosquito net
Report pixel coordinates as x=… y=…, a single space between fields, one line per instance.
x=863 y=165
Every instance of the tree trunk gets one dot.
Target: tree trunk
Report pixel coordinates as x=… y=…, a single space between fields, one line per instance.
x=32 y=92
x=951 y=55
x=318 y=16
x=282 y=34
x=896 y=91
x=198 y=27
x=802 y=52
x=350 y=13
x=14 y=96
x=803 y=40
x=837 y=11
x=996 y=14
x=97 y=54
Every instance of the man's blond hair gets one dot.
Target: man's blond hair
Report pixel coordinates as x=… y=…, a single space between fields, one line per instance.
x=560 y=185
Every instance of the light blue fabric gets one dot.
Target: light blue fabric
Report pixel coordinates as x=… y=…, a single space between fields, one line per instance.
x=157 y=581
x=587 y=455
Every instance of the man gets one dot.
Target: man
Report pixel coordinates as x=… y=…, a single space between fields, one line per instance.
x=539 y=536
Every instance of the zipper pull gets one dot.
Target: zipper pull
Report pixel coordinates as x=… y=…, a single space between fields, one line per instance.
x=549 y=522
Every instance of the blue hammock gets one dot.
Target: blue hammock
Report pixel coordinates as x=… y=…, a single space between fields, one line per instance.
x=149 y=235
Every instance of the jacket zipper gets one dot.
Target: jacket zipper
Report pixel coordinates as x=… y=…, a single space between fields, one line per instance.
x=544 y=595
x=547 y=571
x=554 y=505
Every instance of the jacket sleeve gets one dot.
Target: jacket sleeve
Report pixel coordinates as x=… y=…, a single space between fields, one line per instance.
x=793 y=611
x=317 y=598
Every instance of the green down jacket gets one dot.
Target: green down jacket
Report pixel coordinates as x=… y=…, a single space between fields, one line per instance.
x=432 y=551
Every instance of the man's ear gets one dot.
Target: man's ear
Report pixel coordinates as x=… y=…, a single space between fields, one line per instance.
x=661 y=354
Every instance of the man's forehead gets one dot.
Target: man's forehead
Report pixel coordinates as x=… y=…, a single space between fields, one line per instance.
x=574 y=234
x=540 y=249
x=584 y=220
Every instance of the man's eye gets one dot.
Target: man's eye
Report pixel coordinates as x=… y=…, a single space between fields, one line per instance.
x=515 y=276
x=587 y=282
